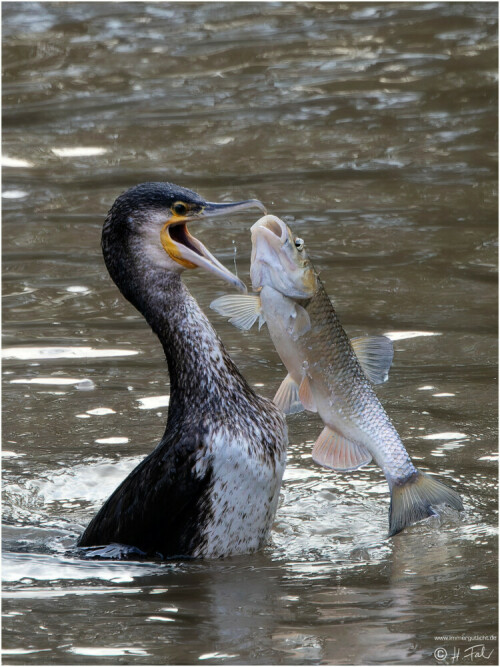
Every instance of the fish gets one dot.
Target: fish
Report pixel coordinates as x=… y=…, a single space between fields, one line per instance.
x=328 y=373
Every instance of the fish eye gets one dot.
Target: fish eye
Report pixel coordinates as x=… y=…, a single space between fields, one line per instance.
x=179 y=208
x=299 y=244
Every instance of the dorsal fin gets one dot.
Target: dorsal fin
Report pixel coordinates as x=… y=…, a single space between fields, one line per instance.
x=375 y=354
x=332 y=450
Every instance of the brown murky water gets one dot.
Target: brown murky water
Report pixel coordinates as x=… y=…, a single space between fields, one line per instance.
x=370 y=128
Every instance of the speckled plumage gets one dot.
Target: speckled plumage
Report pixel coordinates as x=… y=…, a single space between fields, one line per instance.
x=211 y=486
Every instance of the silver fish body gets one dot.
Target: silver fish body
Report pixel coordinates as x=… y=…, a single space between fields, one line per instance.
x=328 y=373
x=343 y=395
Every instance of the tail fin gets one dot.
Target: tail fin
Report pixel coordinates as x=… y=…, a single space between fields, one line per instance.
x=413 y=500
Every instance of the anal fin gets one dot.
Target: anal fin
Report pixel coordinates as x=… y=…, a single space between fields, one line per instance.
x=332 y=450
x=287 y=397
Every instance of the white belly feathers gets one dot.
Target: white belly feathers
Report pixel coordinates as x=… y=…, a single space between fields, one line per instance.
x=243 y=498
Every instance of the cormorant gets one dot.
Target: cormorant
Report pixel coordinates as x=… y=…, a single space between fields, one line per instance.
x=210 y=488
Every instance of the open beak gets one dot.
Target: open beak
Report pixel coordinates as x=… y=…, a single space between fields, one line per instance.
x=187 y=251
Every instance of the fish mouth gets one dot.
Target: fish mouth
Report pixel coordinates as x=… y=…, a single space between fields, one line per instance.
x=272 y=227
x=189 y=252
x=276 y=262
x=269 y=234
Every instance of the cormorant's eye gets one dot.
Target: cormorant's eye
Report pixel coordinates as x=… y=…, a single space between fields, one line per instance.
x=299 y=244
x=179 y=208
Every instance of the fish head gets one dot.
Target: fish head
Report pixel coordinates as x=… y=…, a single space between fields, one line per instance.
x=280 y=261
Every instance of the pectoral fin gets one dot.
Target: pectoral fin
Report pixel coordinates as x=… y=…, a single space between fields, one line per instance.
x=332 y=450
x=305 y=395
x=287 y=397
x=242 y=309
x=299 y=322
x=375 y=355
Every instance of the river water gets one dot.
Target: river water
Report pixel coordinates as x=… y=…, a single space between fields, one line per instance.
x=371 y=129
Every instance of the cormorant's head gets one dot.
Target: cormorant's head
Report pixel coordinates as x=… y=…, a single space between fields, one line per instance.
x=152 y=218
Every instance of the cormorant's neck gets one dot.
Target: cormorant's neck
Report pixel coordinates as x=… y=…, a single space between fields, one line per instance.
x=201 y=371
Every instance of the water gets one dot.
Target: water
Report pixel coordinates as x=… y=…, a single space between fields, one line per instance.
x=370 y=128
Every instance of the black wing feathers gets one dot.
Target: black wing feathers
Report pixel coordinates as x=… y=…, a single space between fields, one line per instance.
x=162 y=505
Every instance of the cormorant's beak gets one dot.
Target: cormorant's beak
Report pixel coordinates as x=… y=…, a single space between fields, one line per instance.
x=211 y=209
x=187 y=251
